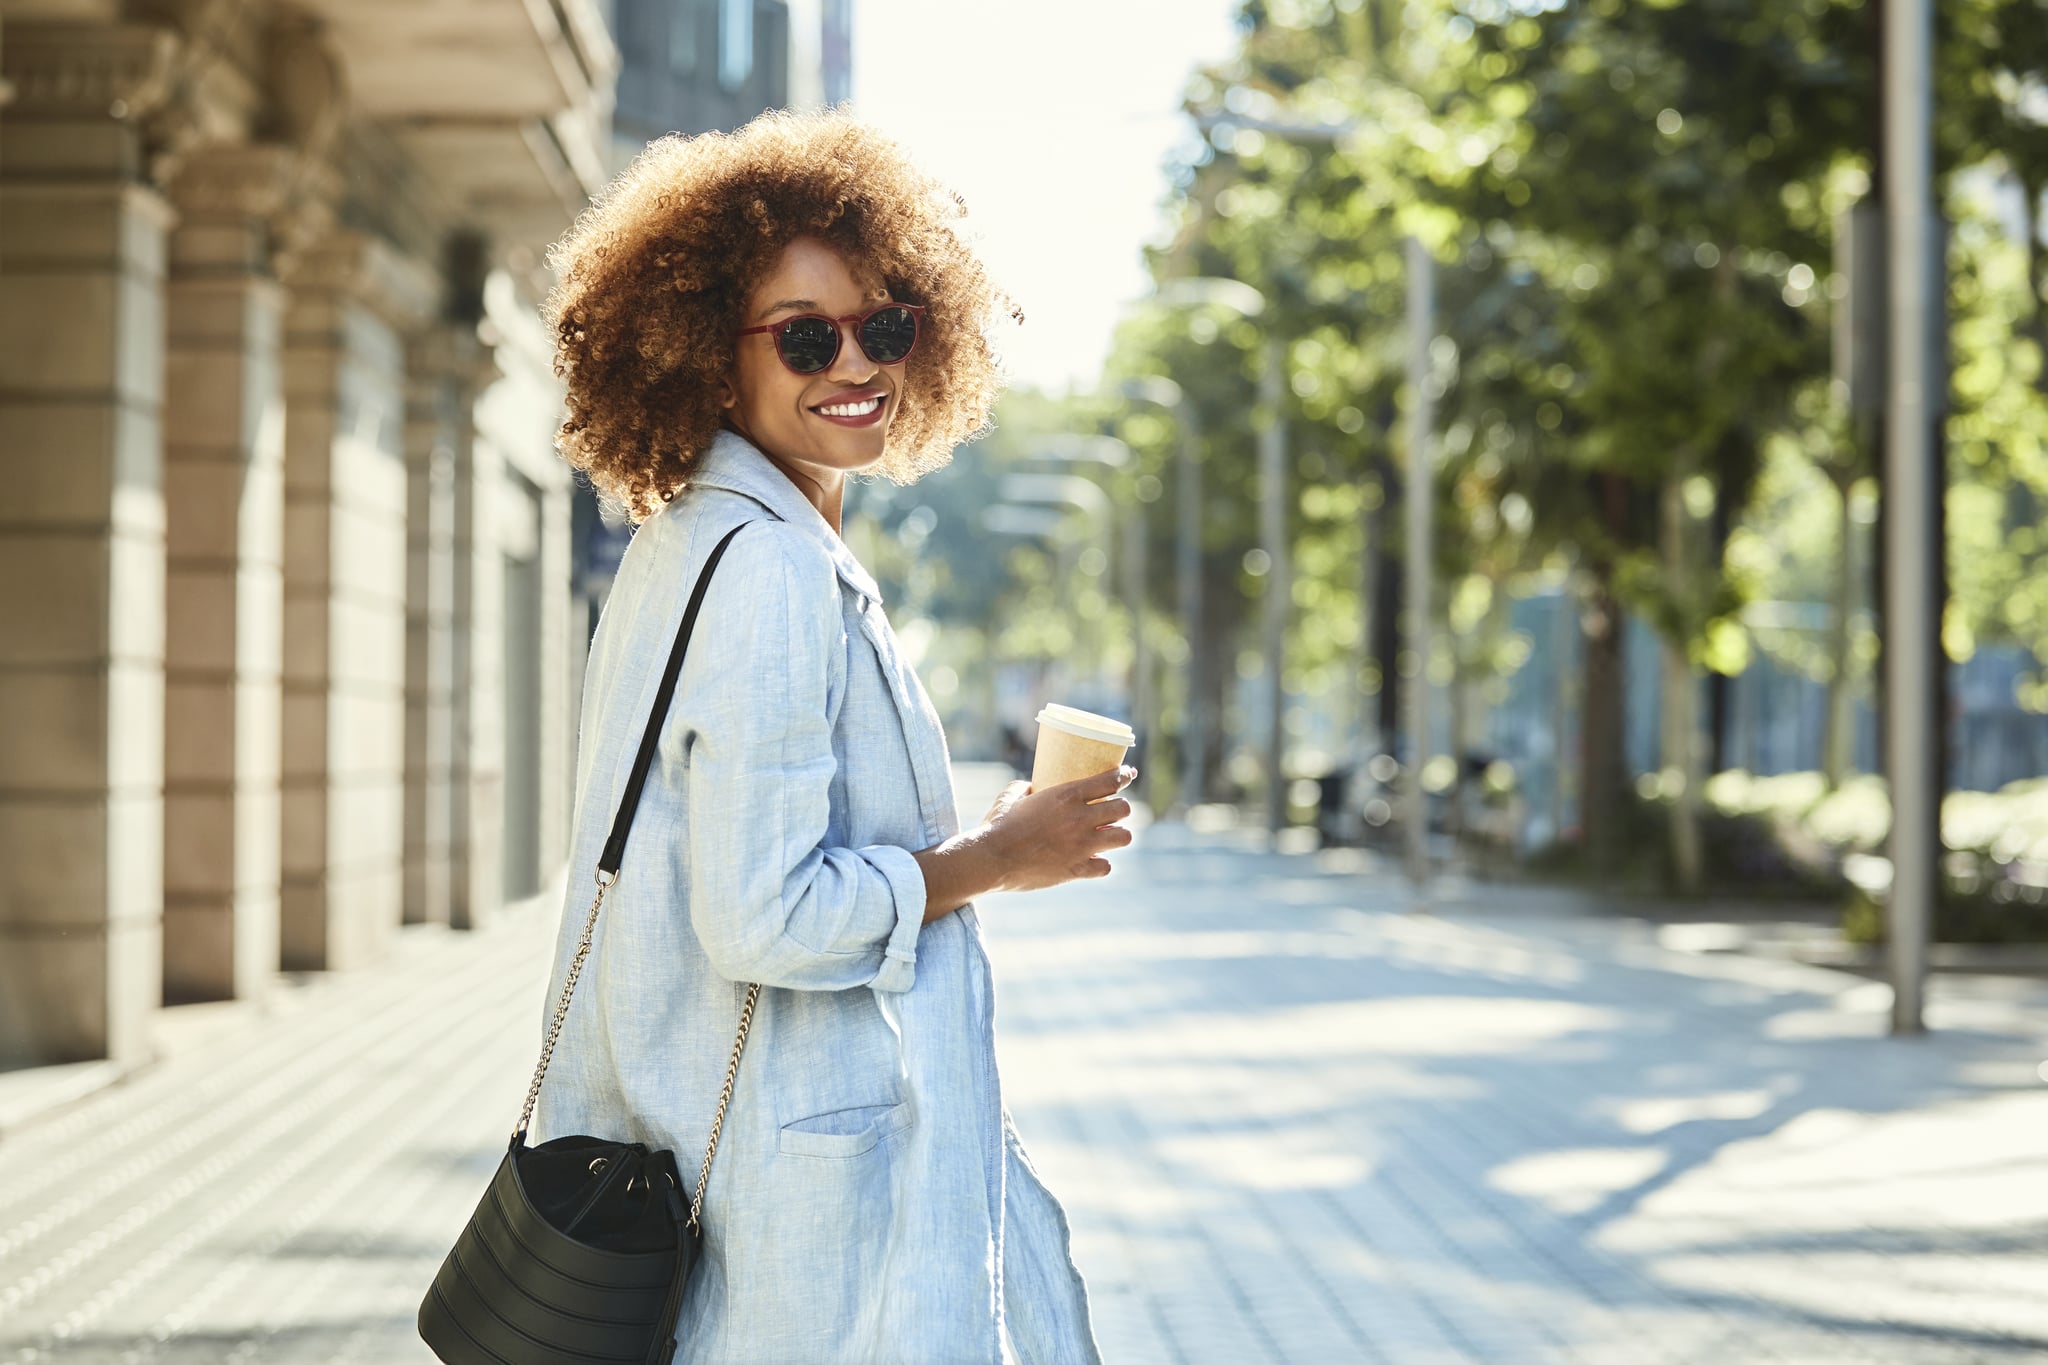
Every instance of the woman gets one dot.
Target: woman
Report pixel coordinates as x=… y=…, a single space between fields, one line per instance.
x=743 y=321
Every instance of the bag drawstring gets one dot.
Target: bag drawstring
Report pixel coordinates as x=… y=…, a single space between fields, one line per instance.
x=672 y=1305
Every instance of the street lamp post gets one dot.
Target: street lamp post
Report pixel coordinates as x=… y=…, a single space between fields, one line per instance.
x=1279 y=591
x=1422 y=414
x=1165 y=393
x=1420 y=494
x=1142 y=705
x=1912 y=486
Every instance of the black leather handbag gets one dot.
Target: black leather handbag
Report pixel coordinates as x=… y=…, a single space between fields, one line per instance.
x=581 y=1248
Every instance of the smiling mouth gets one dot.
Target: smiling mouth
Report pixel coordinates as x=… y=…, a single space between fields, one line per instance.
x=861 y=408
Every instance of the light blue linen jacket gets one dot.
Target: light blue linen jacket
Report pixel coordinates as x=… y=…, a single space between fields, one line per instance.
x=870 y=1200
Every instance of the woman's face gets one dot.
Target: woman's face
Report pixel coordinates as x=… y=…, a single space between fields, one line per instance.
x=826 y=424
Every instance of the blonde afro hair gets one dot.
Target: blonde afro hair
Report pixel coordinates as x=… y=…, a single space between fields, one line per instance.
x=651 y=280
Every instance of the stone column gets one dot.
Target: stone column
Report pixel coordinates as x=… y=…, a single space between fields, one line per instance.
x=224 y=488
x=352 y=299
x=81 y=545
x=560 y=663
x=477 y=776
x=439 y=396
x=520 y=650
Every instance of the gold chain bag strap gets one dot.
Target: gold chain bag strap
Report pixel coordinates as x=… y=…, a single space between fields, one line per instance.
x=582 y=1247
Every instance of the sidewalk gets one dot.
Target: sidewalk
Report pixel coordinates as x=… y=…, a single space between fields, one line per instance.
x=1291 y=1121
x=282 y=1184
x=1295 y=1121
x=1786 y=930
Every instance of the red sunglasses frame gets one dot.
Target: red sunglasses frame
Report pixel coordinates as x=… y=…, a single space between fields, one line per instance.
x=859 y=320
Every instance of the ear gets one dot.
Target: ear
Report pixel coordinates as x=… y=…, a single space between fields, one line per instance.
x=726 y=396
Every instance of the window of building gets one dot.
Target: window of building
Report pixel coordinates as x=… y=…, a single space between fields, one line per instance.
x=682 y=36
x=735 y=42
x=771 y=79
x=838 y=50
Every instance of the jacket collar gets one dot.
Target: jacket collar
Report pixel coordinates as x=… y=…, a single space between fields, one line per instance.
x=733 y=462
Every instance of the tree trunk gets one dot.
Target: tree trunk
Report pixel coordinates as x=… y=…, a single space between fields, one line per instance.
x=1680 y=711
x=1388 y=586
x=1371 y=736
x=1386 y=645
x=1839 y=736
x=1460 y=710
x=1600 y=725
x=1682 y=761
x=2037 y=268
x=1603 y=801
x=1223 y=617
x=1878 y=434
x=1718 y=684
x=1943 y=700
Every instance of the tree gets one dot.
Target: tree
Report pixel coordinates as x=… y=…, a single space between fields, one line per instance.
x=1633 y=210
x=1667 y=178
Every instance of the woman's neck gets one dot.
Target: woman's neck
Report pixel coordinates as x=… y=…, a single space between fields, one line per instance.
x=824 y=489
x=828 y=494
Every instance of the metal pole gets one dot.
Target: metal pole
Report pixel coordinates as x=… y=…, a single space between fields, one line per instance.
x=1420 y=497
x=1912 y=484
x=1188 y=571
x=1141 y=654
x=1273 y=536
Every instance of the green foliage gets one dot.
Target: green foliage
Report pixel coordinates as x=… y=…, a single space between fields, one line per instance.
x=1632 y=208
x=1671 y=183
x=1998 y=440
x=1994 y=872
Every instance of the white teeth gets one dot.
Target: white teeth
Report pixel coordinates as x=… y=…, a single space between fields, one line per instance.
x=860 y=409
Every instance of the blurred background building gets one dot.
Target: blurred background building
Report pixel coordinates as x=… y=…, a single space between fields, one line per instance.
x=692 y=66
x=289 y=642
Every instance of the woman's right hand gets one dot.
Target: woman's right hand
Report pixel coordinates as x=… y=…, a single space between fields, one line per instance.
x=1044 y=838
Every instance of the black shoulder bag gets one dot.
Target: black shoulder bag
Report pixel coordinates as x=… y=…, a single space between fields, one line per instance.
x=581 y=1247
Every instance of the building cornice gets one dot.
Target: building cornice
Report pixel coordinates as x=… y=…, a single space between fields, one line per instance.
x=121 y=71
x=240 y=180
x=400 y=289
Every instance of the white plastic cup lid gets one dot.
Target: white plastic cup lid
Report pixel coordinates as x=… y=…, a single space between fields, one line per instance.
x=1087 y=724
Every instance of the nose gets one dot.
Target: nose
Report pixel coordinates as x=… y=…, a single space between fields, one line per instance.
x=851 y=365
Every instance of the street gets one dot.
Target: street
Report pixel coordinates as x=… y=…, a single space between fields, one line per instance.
x=1292 y=1120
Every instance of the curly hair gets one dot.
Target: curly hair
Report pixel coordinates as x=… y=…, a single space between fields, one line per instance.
x=651 y=281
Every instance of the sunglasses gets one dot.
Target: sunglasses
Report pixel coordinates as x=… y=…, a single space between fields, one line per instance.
x=809 y=342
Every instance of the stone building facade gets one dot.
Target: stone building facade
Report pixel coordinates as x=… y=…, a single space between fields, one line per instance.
x=286 y=652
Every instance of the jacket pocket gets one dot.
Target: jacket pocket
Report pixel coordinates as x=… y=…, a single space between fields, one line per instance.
x=842 y=1133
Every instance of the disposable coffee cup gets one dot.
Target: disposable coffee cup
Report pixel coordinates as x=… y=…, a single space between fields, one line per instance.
x=1073 y=744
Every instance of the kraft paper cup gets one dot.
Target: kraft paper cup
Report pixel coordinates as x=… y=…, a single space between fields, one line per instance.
x=1073 y=744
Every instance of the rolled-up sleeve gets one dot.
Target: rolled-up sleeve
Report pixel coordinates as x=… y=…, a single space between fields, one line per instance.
x=769 y=900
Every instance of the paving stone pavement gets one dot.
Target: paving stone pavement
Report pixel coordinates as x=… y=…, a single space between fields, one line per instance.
x=1291 y=1121
x=1295 y=1121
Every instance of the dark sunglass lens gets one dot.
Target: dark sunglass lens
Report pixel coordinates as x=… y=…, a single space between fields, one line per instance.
x=809 y=344
x=888 y=335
